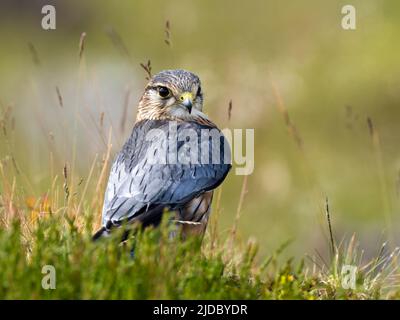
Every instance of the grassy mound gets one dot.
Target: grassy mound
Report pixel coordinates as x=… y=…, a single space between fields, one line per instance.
x=153 y=265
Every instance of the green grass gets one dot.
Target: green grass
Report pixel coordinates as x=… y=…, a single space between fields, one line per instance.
x=165 y=267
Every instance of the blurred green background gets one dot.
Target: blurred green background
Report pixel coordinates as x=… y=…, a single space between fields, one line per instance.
x=330 y=81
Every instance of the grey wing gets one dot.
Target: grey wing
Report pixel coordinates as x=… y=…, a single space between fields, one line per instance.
x=134 y=184
x=138 y=183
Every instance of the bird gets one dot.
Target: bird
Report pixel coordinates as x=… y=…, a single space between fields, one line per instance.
x=173 y=160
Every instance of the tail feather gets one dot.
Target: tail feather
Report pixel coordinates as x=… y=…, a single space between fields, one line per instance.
x=148 y=217
x=101 y=233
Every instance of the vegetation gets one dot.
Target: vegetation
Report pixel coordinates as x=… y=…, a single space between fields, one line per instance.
x=153 y=265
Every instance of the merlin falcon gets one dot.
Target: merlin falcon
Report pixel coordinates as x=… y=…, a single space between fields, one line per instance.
x=173 y=160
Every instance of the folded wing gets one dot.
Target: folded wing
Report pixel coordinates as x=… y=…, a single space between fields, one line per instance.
x=159 y=166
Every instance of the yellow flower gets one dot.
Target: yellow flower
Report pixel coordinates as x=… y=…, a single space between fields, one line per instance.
x=39 y=207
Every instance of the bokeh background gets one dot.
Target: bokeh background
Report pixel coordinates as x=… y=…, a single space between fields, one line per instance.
x=268 y=57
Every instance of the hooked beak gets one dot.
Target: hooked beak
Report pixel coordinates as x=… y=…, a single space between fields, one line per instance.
x=187 y=100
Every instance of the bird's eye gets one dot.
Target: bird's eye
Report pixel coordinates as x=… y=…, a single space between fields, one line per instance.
x=164 y=92
x=198 y=91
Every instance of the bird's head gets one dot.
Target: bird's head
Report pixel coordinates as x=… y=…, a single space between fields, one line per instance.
x=172 y=95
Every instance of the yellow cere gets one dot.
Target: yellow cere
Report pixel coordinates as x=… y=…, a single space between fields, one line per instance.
x=187 y=95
